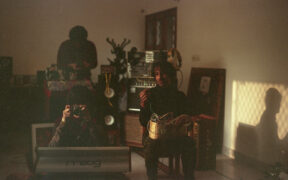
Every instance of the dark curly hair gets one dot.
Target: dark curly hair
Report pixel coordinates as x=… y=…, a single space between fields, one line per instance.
x=80 y=95
x=78 y=33
x=168 y=69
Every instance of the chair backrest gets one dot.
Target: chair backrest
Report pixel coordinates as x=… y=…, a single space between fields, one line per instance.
x=41 y=136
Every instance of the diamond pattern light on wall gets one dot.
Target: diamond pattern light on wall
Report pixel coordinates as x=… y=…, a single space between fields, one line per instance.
x=249 y=104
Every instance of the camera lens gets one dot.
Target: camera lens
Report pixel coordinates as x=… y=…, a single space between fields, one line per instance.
x=76 y=110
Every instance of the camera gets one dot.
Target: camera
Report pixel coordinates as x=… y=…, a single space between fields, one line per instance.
x=76 y=110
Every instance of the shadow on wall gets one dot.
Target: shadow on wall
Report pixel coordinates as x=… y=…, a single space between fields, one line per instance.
x=262 y=142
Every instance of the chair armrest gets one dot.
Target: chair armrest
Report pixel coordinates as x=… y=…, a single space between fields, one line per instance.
x=143 y=129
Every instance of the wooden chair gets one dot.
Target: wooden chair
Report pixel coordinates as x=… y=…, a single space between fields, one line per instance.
x=133 y=138
x=173 y=168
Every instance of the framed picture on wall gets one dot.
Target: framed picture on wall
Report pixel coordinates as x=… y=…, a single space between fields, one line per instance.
x=206 y=93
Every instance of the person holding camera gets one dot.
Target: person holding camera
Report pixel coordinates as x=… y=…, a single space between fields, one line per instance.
x=78 y=126
x=164 y=99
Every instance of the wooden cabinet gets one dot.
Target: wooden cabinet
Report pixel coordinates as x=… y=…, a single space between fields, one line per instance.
x=203 y=133
x=133 y=130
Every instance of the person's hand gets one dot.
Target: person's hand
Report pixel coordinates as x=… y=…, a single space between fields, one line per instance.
x=182 y=119
x=143 y=97
x=66 y=113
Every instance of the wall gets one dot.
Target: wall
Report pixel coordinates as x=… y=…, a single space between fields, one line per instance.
x=32 y=31
x=247 y=38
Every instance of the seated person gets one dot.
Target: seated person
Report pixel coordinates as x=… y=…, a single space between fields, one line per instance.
x=78 y=127
x=77 y=55
x=162 y=99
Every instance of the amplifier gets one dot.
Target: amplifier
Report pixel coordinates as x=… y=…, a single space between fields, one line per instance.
x=136 y=85
x=155 y=56
x=141 y=63
x=141 y=69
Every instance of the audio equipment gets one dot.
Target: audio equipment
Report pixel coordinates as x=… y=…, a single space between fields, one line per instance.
x=136 y=85
x=141 y=63
x=134 y=57
x=107 y=106
x=155 y=56
x=141 y=69
x=83 y=160
x=5 y=69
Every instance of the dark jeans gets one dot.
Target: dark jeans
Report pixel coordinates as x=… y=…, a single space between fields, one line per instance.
x=184 y=145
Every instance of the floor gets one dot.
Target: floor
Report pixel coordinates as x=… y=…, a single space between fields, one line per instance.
x=15 y=147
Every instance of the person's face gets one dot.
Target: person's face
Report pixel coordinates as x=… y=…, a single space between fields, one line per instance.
x=162 y=79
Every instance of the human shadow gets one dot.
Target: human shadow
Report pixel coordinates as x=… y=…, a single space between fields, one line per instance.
x=269 y=149
x=261 y=143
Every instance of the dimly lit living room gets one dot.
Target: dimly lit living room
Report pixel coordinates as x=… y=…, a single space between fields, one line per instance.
x=227 y=60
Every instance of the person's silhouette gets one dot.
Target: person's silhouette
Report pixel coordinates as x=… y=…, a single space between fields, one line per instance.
x=77 y=55
x=268 y=149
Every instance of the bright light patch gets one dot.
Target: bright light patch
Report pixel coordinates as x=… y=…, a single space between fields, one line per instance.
x=249 y=104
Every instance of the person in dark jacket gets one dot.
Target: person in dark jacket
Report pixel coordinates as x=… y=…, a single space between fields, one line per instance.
x=77 y=55
x=166 y=98
x=78 y=126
